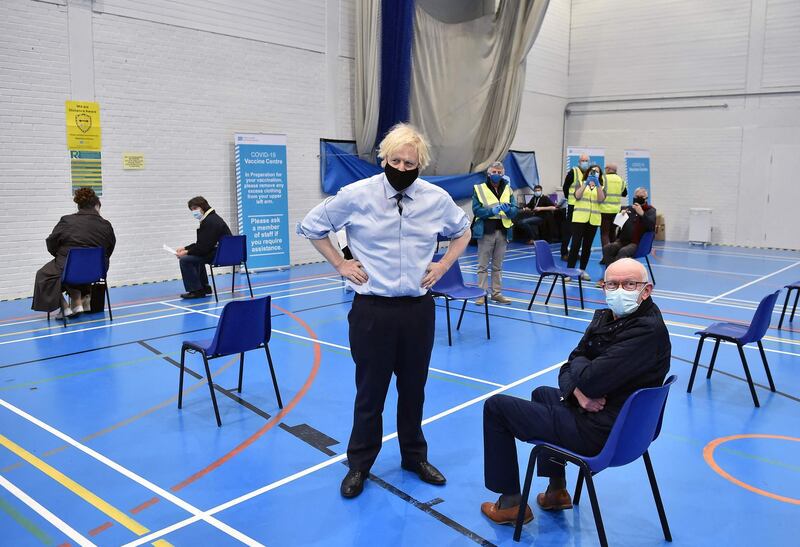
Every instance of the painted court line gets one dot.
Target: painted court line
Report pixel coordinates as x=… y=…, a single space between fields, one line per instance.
x=45 y=513
x=346 y=348
x=132 y=476
x=327 y=463
x=752 y=282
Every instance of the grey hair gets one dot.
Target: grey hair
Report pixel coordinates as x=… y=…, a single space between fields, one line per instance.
x=496 y=165
x=641 y=188
x=645 y=276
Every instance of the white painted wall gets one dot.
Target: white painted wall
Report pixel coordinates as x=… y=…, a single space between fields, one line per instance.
x=174 y=84
x=736 y=63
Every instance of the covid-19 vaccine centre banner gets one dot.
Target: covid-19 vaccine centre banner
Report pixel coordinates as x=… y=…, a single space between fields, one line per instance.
x=637 y=171
x=261 y=195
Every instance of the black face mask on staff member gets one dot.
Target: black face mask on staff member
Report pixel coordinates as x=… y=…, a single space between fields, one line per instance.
x=640 y=200
x=400 y=180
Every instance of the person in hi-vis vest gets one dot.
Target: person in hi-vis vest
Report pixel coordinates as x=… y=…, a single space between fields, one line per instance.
x=494 y=206
x=586 y=219
x=615 y=189
x=572 y=181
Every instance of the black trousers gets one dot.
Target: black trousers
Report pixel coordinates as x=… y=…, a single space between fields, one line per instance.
x=582 y=237
x=545 y=417
x=389 y=335
x=566 y=234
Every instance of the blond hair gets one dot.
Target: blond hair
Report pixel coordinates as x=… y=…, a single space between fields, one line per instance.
x=405 y=134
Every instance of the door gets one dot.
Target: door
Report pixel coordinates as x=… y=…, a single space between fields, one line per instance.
x=782 y=225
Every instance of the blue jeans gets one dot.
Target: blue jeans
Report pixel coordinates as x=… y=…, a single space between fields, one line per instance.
x=193 y=271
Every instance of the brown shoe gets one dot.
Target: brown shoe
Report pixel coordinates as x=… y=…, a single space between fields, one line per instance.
x=556 y=500
x=501 y=299
x=480 y=301
x=505 y=516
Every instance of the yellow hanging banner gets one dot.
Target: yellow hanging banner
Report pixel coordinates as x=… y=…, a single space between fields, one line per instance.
x=83 y=125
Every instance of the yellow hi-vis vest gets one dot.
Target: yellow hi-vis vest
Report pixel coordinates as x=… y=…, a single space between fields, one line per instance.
x=577 y=180
x=587 y=209
x=489 y=200
x=613 y=191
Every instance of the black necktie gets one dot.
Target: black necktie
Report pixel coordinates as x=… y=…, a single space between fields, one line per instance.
x=399 y=197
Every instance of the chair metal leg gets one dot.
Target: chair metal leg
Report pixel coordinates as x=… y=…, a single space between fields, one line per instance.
x=233 y=281
x=486 y=314
x=461 y=316
x=526 y=492
x=48 y=316
x=274 y=379
x=580 y=289
x=553 y=286
x=211 y=388
x=576 y=498
x=780 y=323
x=247 y=275
x=652 y=277
x=447 y=308
x=564 y=291
x=747 y=375
x=794 y=308
x=241 y=371
x=108 y=302
x=598 y=519
x=766 y=367
x=662 y=516
x=213 y=283
x=180 y=377
x=696 y=363
x=713 y=359
x=536 y=290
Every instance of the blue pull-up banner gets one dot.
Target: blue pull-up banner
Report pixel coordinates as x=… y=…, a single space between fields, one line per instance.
x=261 y=196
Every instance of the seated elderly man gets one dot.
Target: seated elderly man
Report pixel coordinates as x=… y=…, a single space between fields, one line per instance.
x=641 y=219
x=626 y=347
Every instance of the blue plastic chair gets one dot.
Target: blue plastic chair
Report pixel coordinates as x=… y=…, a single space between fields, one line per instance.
x=636 y=427
x=85 y=266
x=546 y=266
x=740 y=335
x=244 y=325
x=789 y=288
x=231 y=251
x=451 y=287
x=644 y=249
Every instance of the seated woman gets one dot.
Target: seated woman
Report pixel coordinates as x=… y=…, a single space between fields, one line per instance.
x=86 y=228
x=194 y=257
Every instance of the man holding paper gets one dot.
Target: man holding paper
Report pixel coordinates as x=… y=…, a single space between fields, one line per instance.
x=194 y=257
x=634 y=221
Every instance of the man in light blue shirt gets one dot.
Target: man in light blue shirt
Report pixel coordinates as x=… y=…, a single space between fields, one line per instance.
x=392 y=221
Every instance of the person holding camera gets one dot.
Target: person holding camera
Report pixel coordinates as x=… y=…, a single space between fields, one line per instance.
x=494 y=206
x=641 y=219
x=586 y=219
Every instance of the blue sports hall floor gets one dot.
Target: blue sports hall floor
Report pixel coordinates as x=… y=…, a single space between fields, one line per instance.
x=95 y=451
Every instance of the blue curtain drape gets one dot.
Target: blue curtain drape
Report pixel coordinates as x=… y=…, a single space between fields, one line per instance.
x=397 y=35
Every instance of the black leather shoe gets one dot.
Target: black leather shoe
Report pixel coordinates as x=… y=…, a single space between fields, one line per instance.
x=193 y=294
x=207 y=290
x=426 y=472
x=353 y=483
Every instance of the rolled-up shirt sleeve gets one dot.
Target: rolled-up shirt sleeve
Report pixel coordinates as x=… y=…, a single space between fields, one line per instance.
x=454 y=220
x=331 y=215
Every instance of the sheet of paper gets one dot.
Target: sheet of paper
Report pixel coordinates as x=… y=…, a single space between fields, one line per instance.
x=169 y=249
x=621 y=218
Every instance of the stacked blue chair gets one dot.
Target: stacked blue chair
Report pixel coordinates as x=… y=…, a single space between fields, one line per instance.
x=636 y=427
x=740 y=335
x=644 y=249
x=244 y=325
x=85 y=266
x=546 y=266
x=231 y=251
x=789 y=288
x=451 y=287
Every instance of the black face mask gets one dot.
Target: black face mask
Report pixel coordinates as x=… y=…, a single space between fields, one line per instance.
x=400 y=180
x=640 y=200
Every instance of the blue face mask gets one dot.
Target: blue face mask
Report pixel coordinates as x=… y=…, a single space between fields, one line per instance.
x=537 y=194
x=197 y=214
x=623 y=302
x=584 y=165
x=495 y=178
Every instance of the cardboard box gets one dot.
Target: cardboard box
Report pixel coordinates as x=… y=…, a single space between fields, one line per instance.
x=661 y=228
